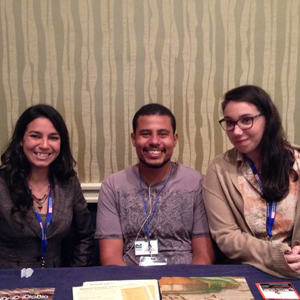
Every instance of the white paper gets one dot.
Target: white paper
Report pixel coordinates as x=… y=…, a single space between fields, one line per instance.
x=117 y=290
x=26 y=272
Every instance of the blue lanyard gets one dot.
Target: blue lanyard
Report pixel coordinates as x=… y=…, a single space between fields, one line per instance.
x=147 y=222
x=48 y=222
x=271 y=214
x=271 y=207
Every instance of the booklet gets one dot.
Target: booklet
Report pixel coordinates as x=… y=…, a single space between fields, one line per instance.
x=205 y=288
x=27 y=293
x=277 y=290
x=118 y=290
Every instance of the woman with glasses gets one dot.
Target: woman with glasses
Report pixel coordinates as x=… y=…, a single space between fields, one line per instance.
x=251 y=192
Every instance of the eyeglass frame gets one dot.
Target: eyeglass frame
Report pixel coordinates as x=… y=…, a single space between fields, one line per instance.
x=236 y=122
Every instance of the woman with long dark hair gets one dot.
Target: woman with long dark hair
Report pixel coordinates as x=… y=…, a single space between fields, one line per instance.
x=251 y=192
x=40 y=195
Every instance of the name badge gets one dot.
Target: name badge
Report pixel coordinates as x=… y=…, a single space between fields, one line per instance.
x=142 y=247
x=155 y=260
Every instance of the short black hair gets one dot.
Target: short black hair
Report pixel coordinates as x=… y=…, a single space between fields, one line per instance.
x=153 y=109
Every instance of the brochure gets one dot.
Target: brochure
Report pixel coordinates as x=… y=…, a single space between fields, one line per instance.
x=118 y=290
x=277 y=290
x=205 y=288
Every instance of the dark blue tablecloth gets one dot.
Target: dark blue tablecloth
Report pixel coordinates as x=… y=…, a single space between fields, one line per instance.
x=63 y=279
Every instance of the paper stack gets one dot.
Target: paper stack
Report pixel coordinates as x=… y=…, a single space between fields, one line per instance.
x=118 y=290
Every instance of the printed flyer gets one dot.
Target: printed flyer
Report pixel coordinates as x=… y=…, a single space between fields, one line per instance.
x=277 y=290
x=205 y=288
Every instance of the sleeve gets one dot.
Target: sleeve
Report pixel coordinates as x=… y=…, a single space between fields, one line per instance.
x=200 y=226
x=108 y=224
x=83 y=230
x=230 y=231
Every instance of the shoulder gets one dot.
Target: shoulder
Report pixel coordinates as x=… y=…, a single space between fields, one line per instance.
x=223 y=168
x=122 y=178
x=185 y=171
x=120 y=175
x=186 y=178
x=226 y=159
x=70 y=187
x=73 y=180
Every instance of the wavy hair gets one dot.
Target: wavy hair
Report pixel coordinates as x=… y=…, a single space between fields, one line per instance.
x=15 y=167
x=276 y=153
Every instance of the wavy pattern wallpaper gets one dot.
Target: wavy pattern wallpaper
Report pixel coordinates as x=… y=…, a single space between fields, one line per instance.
x=98 y=61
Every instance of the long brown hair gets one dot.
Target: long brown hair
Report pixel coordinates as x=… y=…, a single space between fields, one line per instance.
x=276 y=157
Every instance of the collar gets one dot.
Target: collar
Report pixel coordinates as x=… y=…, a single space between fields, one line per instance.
x=246 y=171
x=135 y=169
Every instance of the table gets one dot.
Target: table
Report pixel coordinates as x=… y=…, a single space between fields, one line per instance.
x=63 y=279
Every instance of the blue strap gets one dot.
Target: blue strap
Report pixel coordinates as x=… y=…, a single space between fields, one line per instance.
x=147 y=222
x=271 y=214
x=48 y=222
x=271 y=206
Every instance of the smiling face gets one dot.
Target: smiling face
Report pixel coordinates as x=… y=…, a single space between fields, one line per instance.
x=41 y=143
x=247 y=141
x=154 y=140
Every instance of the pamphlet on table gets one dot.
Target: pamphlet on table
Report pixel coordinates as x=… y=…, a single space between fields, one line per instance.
x=118 y=290
x=205 y=288
x=277 y=290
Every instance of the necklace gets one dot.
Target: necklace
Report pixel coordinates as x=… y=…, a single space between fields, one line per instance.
x=41 y=201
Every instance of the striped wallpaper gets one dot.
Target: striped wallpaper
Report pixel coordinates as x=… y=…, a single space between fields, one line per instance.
x=98 y=61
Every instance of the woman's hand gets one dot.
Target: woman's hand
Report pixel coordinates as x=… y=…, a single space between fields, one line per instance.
x=292 y=257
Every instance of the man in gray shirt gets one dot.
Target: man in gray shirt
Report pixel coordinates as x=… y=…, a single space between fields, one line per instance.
x=153 y=209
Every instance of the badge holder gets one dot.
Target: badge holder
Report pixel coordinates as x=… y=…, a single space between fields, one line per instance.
x=149 y=253
x=154 y=260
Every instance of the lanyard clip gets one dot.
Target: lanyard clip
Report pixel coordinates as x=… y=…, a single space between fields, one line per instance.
x=269 y=238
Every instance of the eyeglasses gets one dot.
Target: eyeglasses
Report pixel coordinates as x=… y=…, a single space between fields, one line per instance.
x=243 y=123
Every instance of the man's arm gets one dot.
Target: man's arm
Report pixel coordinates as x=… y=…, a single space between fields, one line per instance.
x=111 y=252
x=108 y=226
x=203 y=252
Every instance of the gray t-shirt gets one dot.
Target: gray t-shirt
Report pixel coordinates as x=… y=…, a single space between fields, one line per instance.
x=179 y=215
